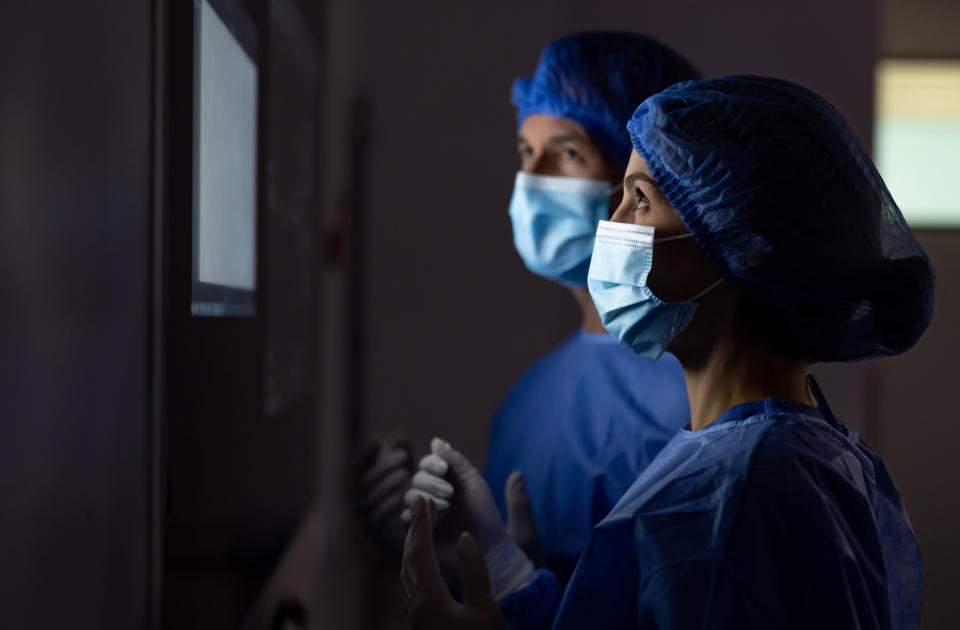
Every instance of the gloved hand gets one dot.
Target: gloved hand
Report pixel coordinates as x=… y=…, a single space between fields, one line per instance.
x=382 y=480
x=474 y=510
x=426 y=600
x=521 y=526
x=457 y=487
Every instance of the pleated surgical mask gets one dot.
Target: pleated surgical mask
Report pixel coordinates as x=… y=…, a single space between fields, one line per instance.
x=554 y=222
x=617 y=280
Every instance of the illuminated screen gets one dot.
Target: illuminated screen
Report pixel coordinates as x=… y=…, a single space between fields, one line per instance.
x=225 y=171
x=917 y=137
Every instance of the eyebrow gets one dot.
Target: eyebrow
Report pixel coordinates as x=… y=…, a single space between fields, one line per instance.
x=632 y=177
x=557 y=139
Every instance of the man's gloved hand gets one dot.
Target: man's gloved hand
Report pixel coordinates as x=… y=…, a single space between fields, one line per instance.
x=382 y=480
x=466 y=504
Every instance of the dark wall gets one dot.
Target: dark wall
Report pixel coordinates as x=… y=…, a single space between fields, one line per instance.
x=74 y=208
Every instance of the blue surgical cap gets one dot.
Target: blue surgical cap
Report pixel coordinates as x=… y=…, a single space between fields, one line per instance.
x=597 y=79
x=783 y=200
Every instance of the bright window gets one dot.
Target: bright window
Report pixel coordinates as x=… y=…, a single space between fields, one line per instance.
x=917 y=138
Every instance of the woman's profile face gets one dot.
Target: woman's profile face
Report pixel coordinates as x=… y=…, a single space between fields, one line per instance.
x=679 y=270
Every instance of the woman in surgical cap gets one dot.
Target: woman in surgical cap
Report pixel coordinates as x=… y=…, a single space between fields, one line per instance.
x=583 y=421
x=755 y=237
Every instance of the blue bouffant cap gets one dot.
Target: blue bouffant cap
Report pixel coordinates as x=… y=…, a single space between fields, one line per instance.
x=597 y=79
x=783 y=200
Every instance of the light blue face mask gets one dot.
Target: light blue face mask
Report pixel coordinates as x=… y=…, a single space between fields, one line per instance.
x=621 y=262
x=554 y=222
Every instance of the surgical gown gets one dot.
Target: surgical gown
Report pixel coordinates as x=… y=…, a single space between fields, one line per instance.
x=581 y=424
x=774 y=516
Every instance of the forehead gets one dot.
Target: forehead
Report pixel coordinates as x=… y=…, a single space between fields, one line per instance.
x=538 y=128
x=637 y=164
x=637 y=169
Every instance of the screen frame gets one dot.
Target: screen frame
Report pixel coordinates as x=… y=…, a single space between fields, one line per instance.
x=212 y=367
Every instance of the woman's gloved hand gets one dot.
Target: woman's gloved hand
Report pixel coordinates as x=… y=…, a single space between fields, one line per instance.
x=466 y=504
x=445 y=473
x=426 y=600
x=382 y=481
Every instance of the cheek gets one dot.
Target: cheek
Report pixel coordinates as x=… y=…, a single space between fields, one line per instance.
x=677 y=272
x=668 y=221
x=576 y=168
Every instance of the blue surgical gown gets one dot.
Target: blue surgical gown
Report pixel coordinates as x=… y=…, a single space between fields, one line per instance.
x=774 y=516
x=581 y=424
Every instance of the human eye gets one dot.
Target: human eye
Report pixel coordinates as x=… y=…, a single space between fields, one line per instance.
x=525 y=151
x=570 y=153
x=642 y=201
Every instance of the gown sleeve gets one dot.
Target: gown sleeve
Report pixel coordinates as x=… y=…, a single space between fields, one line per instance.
x=534 y=606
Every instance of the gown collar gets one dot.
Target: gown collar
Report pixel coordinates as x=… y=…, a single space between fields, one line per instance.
x=764 y=407
x=598 y=338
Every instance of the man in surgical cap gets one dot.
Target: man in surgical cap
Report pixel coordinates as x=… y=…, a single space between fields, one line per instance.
x=584 y=420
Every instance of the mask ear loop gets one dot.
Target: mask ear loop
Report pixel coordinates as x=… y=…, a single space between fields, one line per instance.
x=705 y=291
x=667 y=239
x=615 y=189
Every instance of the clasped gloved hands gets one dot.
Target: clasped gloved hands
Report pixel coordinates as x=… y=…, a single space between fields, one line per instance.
x=465 y=504
x=429 y=482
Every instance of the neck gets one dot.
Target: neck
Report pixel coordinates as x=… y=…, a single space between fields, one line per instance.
x=590 y=319
x=735 y=373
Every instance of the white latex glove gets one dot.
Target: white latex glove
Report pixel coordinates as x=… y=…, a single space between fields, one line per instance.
x=458 y=489
x=520 y=522
x=430 y=483
x=383 y=479
x=446 y=472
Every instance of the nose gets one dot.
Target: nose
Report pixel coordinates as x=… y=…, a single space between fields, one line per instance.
x=538 y=164
x=622 y=214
